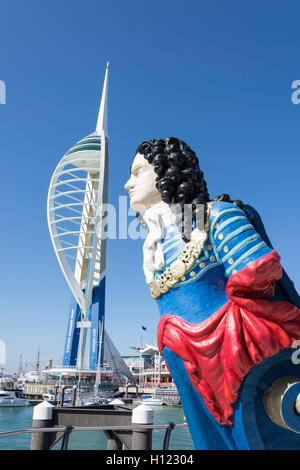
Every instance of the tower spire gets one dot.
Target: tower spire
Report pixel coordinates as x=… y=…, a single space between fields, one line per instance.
x=102 y=115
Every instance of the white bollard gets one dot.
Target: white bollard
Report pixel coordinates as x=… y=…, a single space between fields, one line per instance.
x=43 y=411
x=42 y=418
x=142 y=438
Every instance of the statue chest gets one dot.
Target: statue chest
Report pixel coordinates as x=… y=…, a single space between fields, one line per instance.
x=201 y=290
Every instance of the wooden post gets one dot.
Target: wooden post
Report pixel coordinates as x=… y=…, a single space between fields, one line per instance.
x=62 y=395
x=55 y=394
x=74 y=395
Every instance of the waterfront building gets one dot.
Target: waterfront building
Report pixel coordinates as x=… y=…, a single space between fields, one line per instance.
x=149 y=368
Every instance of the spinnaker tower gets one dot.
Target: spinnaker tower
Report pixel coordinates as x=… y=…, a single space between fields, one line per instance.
x=76 y=204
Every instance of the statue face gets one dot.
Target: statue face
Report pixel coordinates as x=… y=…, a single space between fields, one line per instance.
x=141 y=185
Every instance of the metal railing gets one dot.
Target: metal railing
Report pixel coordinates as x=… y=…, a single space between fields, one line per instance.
x=68 y=429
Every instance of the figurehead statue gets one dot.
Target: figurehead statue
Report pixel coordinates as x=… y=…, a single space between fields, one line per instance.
x=229 y=313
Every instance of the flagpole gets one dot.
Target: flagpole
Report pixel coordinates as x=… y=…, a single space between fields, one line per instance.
x=141 y=346
x=140 y=384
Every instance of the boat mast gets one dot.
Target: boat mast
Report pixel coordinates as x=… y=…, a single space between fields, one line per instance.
x=98 y=374
x=38 y=360
x=20 y=370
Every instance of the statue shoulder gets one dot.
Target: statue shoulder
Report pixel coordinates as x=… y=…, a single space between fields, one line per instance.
x=222 y=210
x=234 y=237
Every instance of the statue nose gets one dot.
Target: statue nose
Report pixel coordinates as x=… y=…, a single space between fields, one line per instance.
x=128 y=185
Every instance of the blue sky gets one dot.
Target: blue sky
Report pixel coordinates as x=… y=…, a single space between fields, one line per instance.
x=215 y=74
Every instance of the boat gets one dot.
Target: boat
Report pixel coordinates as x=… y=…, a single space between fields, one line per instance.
x=13 y=398
x=99 y=396
x=168 y=395
x=151 y=401
x=51 y=397
x=95 y=401
x=29 y=377
x=6 y=382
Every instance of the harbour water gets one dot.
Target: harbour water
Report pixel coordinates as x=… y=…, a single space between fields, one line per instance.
x=21 y=418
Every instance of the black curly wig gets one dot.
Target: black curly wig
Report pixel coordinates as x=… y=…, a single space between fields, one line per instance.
x=179 y=178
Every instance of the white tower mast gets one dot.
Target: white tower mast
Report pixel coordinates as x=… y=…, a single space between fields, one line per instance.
x=77 y=194
x=96 y=264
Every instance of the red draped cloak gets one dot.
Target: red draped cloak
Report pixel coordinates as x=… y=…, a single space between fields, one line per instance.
x=220 y=351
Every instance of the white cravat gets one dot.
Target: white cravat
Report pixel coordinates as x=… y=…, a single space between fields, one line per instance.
x=157 y=218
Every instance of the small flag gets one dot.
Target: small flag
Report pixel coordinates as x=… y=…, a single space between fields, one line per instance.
x=144 y=328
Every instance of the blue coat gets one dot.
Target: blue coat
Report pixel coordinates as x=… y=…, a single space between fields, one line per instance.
x=233 y=243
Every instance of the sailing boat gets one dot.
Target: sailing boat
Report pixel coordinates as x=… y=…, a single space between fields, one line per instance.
x=98 y=396
x=151 y=401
